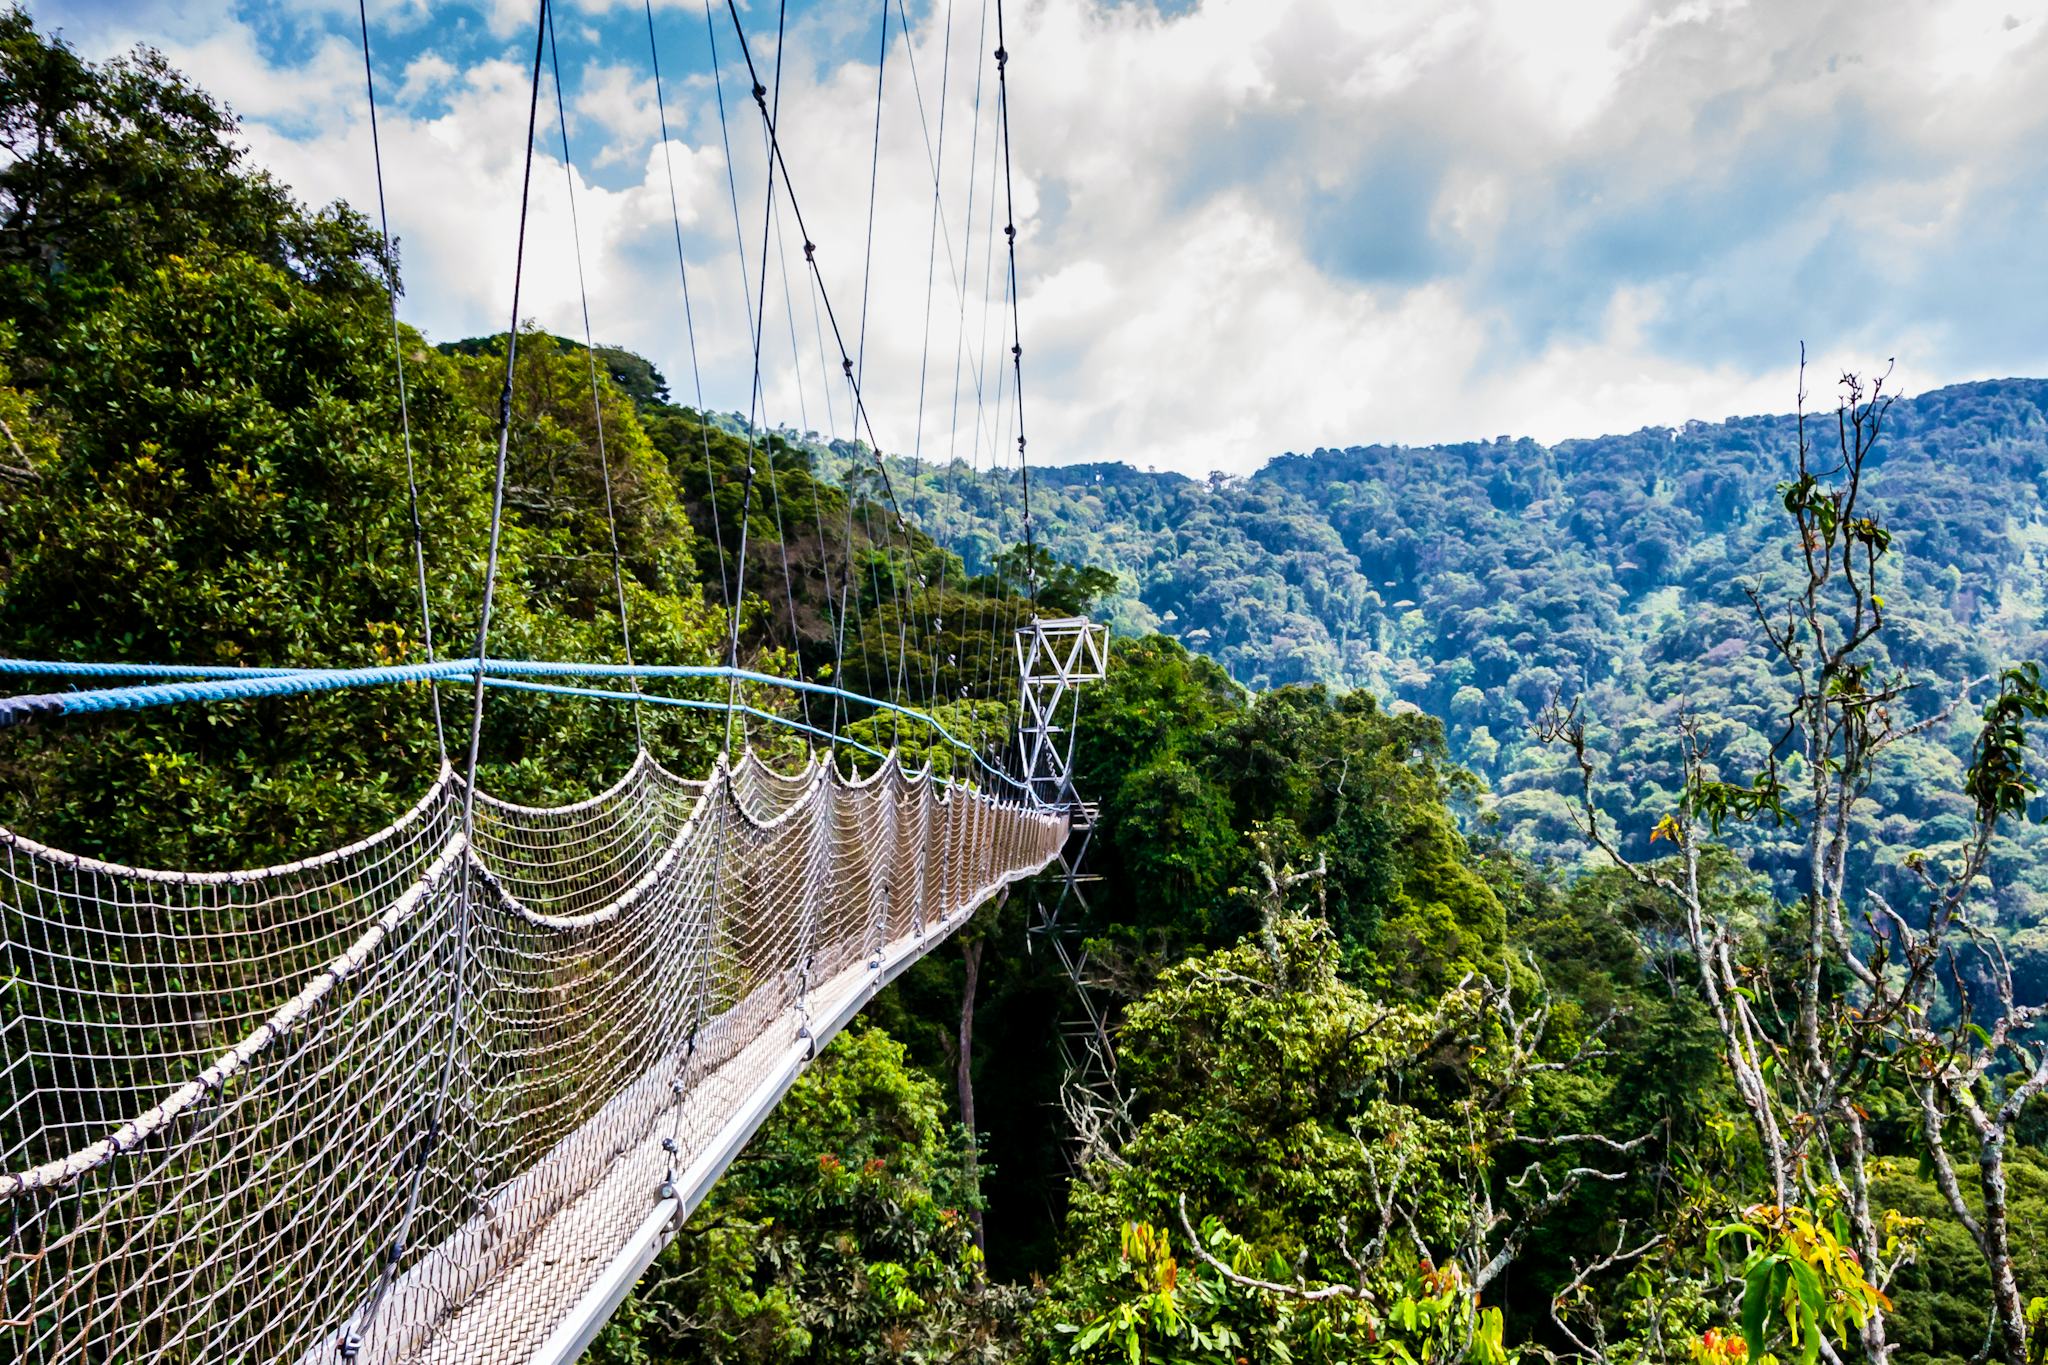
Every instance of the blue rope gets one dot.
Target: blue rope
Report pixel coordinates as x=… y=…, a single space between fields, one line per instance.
x=239 y=685
x=201 y=683
x=72 y=669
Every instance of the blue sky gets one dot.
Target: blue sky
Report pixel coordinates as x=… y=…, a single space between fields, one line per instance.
x=1246 y=226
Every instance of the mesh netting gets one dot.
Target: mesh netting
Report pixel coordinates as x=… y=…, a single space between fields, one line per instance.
x=410 y=1100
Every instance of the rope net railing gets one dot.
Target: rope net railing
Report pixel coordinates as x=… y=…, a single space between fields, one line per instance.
x=409 y=1099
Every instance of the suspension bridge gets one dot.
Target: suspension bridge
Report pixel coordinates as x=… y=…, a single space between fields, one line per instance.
x=442 y=1093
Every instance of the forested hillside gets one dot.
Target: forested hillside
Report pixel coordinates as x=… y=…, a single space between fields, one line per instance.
x=1477 y=582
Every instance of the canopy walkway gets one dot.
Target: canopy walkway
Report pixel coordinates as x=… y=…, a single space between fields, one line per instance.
x=442 y=1094
x=428 y=1098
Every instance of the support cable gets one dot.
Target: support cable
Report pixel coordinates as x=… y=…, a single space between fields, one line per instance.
x=796 y=361
x=689 y=317
x=997 y=413
x=1016 y=322
x=931 y=270
x=732 y=184
x=604 y=467
x=756 y=304
x=956 y=269
x=412 y=483
x=992 y=608
x=860 y=362
x=771 y=217
x=738 y=599
x=847 y=599
x=861 y=417
x=351 y=1340
x=757 y=319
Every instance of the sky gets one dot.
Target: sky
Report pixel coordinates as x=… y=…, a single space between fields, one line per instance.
x=1243 y=226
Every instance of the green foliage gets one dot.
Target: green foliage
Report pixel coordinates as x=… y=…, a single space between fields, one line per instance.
x=1323 y=1138
x=204 y=379
x=1799 y=1282
x=1190 y=769
x=1058 y=588
x=1477 y=581
x=1185 y=1313
x=1942 y=1296
x=1999 y=780
x=839 y=1235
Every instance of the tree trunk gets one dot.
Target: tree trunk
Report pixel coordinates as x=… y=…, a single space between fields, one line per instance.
x=970 y=952
x=1877 y=1346
x=1997 y=1241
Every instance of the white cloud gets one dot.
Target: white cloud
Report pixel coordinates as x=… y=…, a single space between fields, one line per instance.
x=1258 y=225
x=426 y=75
x=619 y=103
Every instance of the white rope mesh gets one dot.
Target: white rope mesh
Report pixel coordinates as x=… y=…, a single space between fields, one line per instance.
x=217 y=1086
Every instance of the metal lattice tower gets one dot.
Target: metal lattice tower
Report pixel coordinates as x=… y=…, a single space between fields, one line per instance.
x=1056 y=658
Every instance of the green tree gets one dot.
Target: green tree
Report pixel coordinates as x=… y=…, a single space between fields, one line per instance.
x=840 y=1235
x=1318 y=1175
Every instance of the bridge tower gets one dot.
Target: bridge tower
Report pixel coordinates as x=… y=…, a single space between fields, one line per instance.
x=1056 y=658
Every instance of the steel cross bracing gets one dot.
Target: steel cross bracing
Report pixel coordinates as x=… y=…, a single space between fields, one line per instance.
x=241 y=1119
x=1056 y=658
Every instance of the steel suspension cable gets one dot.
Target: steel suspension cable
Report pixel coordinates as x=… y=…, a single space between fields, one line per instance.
x=732 y=186
x=738 y=596
x=796 y=361
x=689 y=318
x=931 y=269
x=803 y=411
x=604 y=467
x=960 y=322
x=412 y=483
x=998 y=571
x=862 y=418
x=847 y=364
x=860 y=363
x=936 y=600
x=862 y=421
x=845 y=575
x=351 y=1342
x=1016 y=316
x=756 y=320
x=771 y=217
x=906 y=588
x=1008 y=599
x=993 y=610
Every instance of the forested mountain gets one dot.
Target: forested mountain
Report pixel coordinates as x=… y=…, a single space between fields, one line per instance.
x=1313 y=568
x=1479 y=581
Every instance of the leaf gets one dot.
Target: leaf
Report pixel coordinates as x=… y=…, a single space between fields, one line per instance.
x=1806 y=1284
x=1756 y=1305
